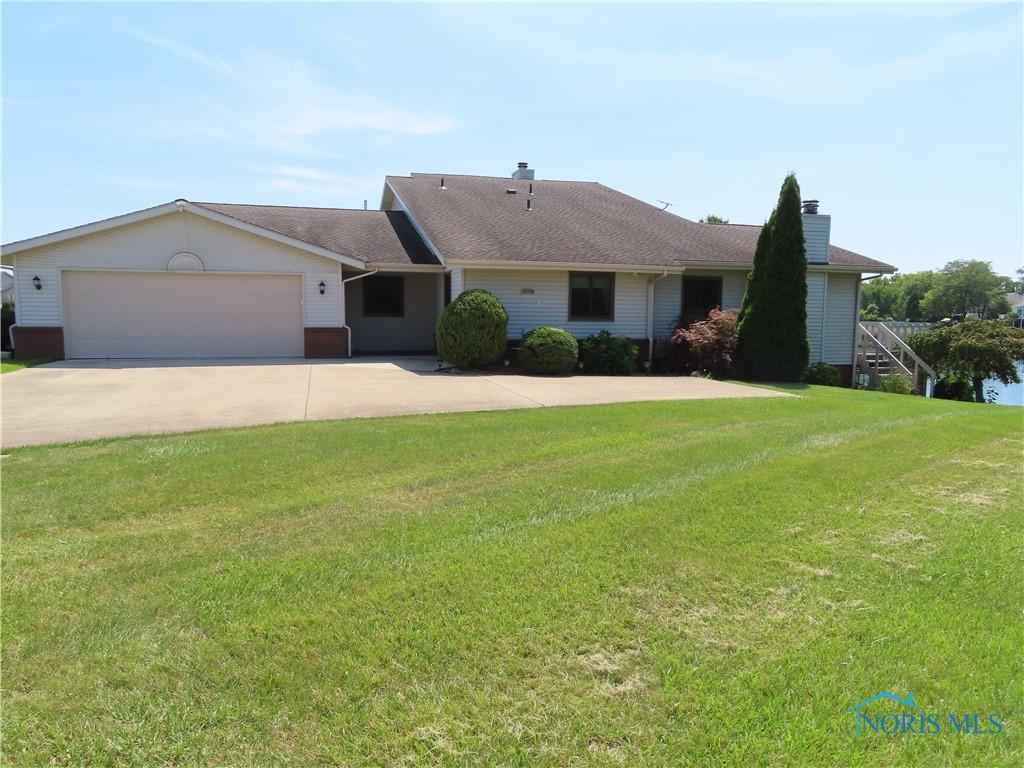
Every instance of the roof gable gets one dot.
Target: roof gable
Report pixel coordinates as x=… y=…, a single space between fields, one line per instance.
x=174 y=207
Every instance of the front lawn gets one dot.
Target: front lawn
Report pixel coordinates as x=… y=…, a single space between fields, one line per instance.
x=8 y=366
x=691 y=583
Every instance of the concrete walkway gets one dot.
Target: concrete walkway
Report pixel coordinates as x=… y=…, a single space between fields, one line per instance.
x=82 y=400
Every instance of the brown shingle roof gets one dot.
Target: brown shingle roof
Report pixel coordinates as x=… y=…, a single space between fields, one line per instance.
x=476 y=218
x=380 y=237
x=745 y=236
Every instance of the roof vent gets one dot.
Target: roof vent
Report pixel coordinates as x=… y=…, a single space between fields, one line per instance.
x=810 y=206
x=511 y=191
x=442 y=184
x=523 y=171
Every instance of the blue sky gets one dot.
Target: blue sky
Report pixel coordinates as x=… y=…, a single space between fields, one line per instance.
x=905 y=121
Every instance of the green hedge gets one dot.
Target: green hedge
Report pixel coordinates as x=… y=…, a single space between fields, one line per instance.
x=548 y=351
x=822 y=373
x=604 y=353
x=472 y=331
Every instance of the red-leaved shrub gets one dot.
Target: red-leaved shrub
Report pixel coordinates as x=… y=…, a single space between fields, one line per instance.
x=710 y=344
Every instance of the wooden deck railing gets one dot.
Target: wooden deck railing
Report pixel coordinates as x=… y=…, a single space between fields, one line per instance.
x=882 y=350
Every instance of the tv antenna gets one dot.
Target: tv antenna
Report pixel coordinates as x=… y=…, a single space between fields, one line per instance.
x=665 y=205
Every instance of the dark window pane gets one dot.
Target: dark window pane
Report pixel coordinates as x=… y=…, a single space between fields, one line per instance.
x=700 y=296
x=591 y=296
x=580 y=302
x=579 y=281
x=384 y=296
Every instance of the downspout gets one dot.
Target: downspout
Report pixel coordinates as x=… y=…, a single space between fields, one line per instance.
x=344 y=281
x=650 y=317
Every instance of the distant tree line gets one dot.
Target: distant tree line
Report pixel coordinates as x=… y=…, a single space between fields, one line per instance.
x=958 y=290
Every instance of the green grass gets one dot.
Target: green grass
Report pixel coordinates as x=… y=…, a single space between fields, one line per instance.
x=690 y=583
x=9 y=366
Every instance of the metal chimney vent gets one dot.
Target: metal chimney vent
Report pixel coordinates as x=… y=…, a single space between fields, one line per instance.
x=810 y=206
x=523 y=171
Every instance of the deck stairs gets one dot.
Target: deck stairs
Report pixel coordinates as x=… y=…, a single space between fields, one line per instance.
x=883 y=351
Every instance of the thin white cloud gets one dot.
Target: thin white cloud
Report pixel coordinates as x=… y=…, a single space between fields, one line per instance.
x=282 y=103
x=809 y=68
x=316 y=183
x=182 y=51
x=807 y=71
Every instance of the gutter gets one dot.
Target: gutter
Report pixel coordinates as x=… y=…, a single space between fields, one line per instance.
x=650 y=316
x=344 y=280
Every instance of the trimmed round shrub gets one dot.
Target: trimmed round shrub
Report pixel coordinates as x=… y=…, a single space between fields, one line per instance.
x=472 y=331
x=822 y=373
x=604 y=353
x=548 y=351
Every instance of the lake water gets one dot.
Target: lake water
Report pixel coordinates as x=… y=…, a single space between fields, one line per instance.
x=1008 y=395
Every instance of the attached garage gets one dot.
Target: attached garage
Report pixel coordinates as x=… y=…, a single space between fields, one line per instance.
x=114 y=314
x=215 y=280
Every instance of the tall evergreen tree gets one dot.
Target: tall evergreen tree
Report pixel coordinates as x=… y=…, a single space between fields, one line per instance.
x=750 y=340
x=773 y=320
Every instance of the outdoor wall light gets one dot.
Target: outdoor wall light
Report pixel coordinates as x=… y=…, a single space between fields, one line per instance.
x=37 y=283
x=323 y=287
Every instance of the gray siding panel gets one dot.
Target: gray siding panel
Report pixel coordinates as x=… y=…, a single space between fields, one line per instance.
x=458 y=282
x=840 y=319
x=815 y=313
x=668 y=296
x=816 y=235
x=412 y=333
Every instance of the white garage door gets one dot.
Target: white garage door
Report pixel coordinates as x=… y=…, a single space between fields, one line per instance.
x=168 y=314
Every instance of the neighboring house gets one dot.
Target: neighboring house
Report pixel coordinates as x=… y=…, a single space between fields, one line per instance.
x=1016 y=304
x=214 y=280
x=6 y=285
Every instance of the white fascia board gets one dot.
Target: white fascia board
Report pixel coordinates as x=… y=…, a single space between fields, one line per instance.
x=172 y=207
x=849 y=270
x=404 y=267
x=563 y=265
x=413 y=220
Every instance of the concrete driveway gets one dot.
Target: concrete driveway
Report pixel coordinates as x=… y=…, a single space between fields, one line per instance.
x=83 y=400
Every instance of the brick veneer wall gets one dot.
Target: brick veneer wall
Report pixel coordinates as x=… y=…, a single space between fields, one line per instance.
x=326 y=342
x=38 y=341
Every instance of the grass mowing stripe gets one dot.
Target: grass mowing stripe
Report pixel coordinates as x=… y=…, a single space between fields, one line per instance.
x=657 y=583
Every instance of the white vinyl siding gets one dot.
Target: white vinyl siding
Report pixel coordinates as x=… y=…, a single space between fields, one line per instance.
x=816 y=236
x=837 y=347
x=541 y=297
x=668 y=299
x=816 y=312
x=668 y=296
x=149 y=245
x=458 y=282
